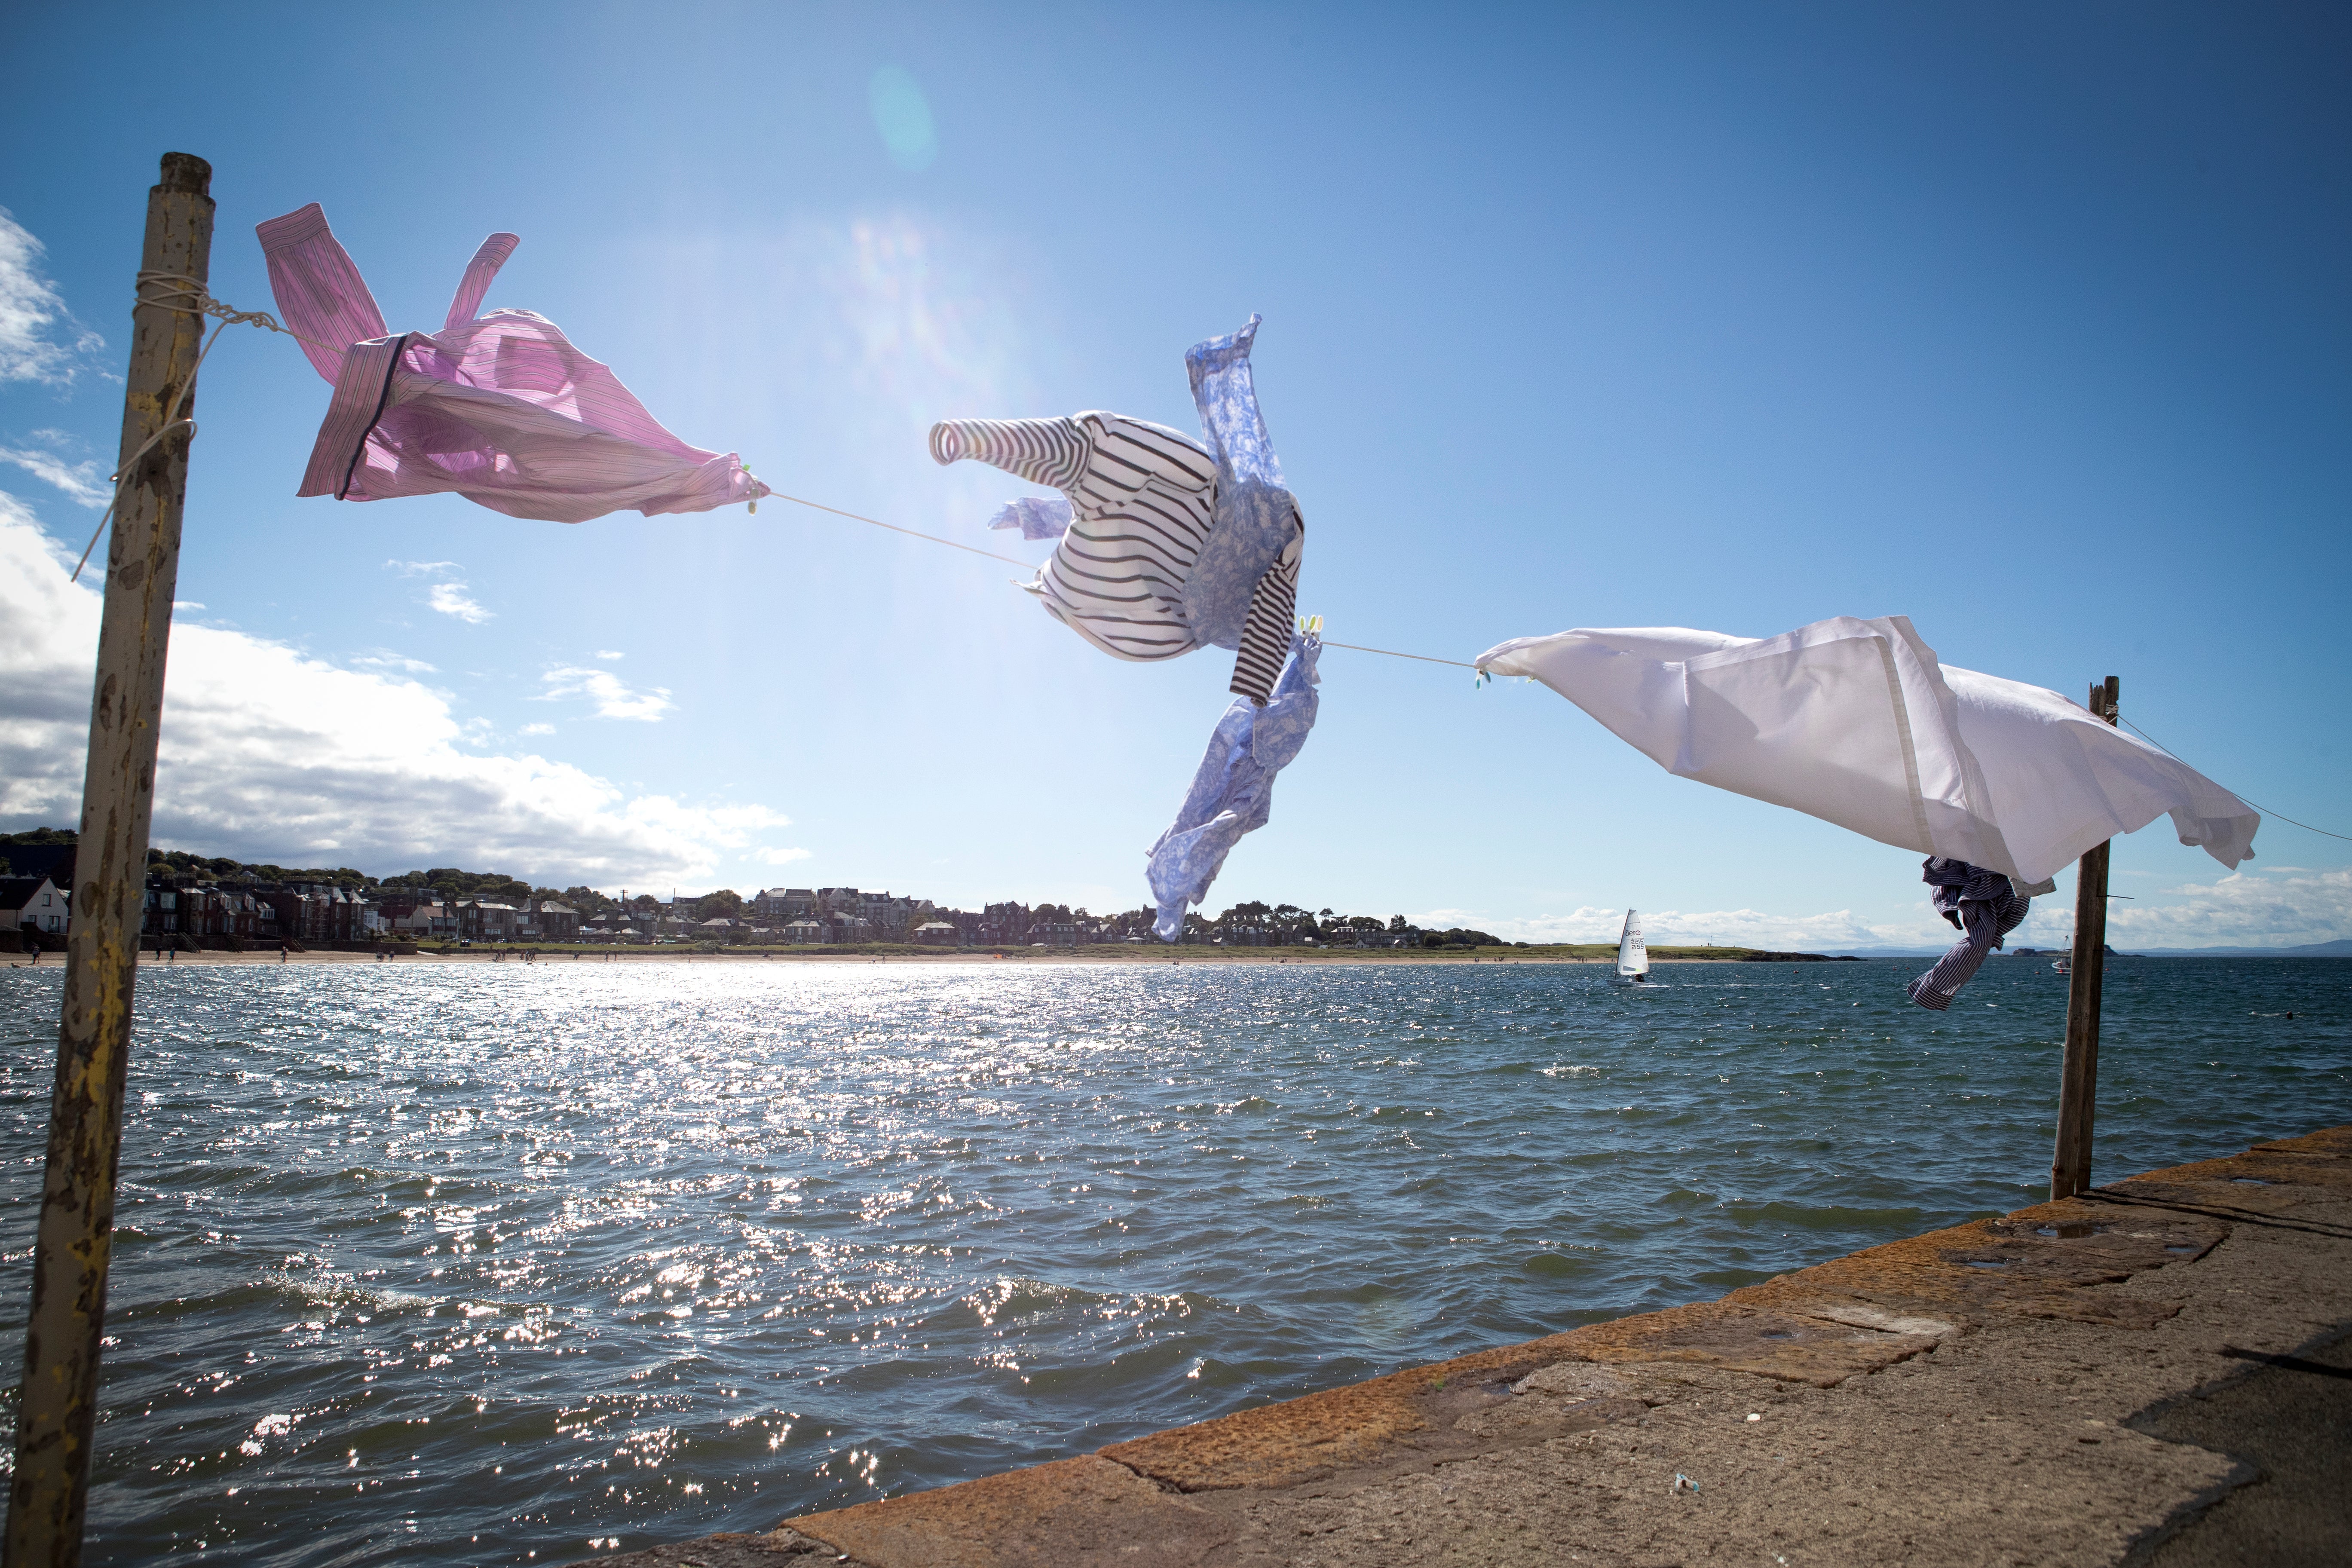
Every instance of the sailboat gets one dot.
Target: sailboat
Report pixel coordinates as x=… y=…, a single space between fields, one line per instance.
x=1632 y=958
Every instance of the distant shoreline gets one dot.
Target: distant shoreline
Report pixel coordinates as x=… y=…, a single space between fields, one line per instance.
x=1099 y=953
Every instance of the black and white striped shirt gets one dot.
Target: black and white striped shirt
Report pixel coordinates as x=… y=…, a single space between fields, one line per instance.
x=1143 y=502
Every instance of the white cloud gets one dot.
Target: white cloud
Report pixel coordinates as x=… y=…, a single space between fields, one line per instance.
x=270 y=755
x=178 y=605
x=2283 y=909
x=614 y=698
x=451 y=599
x=382 y=658
x=539 y=728
x=607 y=653
x=39 y=339
x=80 y=480
x=449 y=596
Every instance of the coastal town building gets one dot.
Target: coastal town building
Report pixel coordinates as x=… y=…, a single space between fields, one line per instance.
x=425 y=923
x=776 y=906
x=485 y=920
x=544 y=920
x=31 y=902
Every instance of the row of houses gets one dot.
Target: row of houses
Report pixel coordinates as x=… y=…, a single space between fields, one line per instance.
x=485 y=920
x=799 y=917
x=886 y=917
x=262 y=913
x=269 y=913
x=796 y=916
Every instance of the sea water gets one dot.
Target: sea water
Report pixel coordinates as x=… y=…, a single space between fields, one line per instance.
x=524 y=1263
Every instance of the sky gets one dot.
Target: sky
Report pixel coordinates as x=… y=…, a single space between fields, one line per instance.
x=2026 y=321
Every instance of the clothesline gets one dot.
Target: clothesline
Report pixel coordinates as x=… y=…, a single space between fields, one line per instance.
x=935 y=539
x=181 y=294
x=952 y=545
x=2258 y=806
x=1353 y=648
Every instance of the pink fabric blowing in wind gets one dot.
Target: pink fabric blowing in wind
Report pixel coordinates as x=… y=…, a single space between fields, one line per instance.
x=500 y=409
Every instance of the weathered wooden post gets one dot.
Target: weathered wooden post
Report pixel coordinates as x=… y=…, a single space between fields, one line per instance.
x=2078 y=1084
x=49 y=1493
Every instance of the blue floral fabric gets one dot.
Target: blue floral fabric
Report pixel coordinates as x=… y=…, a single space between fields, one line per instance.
x=1255 y=517
x=1037 y=517
x=1232 y=792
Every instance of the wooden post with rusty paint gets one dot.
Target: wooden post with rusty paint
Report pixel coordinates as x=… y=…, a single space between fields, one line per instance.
x=49 y=1493
x=2078 y=1083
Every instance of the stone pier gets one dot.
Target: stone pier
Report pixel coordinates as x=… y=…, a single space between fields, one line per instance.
x=2159 y=1373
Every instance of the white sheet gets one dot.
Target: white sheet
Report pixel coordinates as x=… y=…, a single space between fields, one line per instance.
x=1857 y=722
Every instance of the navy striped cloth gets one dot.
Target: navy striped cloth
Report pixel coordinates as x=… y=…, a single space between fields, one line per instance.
x=1986 y=906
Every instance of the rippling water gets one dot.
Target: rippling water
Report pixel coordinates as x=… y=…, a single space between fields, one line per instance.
x=496 y=1265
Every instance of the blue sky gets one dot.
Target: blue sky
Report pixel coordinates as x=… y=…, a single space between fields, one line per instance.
x=2026 y=321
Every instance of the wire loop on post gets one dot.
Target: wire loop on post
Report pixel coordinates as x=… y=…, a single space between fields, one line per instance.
x=186 y=297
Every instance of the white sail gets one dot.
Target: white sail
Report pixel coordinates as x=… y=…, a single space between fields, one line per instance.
x=1632 y=958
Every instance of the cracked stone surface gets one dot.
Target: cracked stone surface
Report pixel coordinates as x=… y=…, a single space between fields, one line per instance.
x=2062 y=1385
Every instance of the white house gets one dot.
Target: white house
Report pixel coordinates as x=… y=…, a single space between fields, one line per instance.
x=31 y=901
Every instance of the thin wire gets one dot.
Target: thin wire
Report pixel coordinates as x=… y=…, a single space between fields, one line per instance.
x=205 y=305
x=2258 y=806
x=819 y=506
x=935 y=539
x=146 y=447
x=171 y=422
x=1353 y=648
